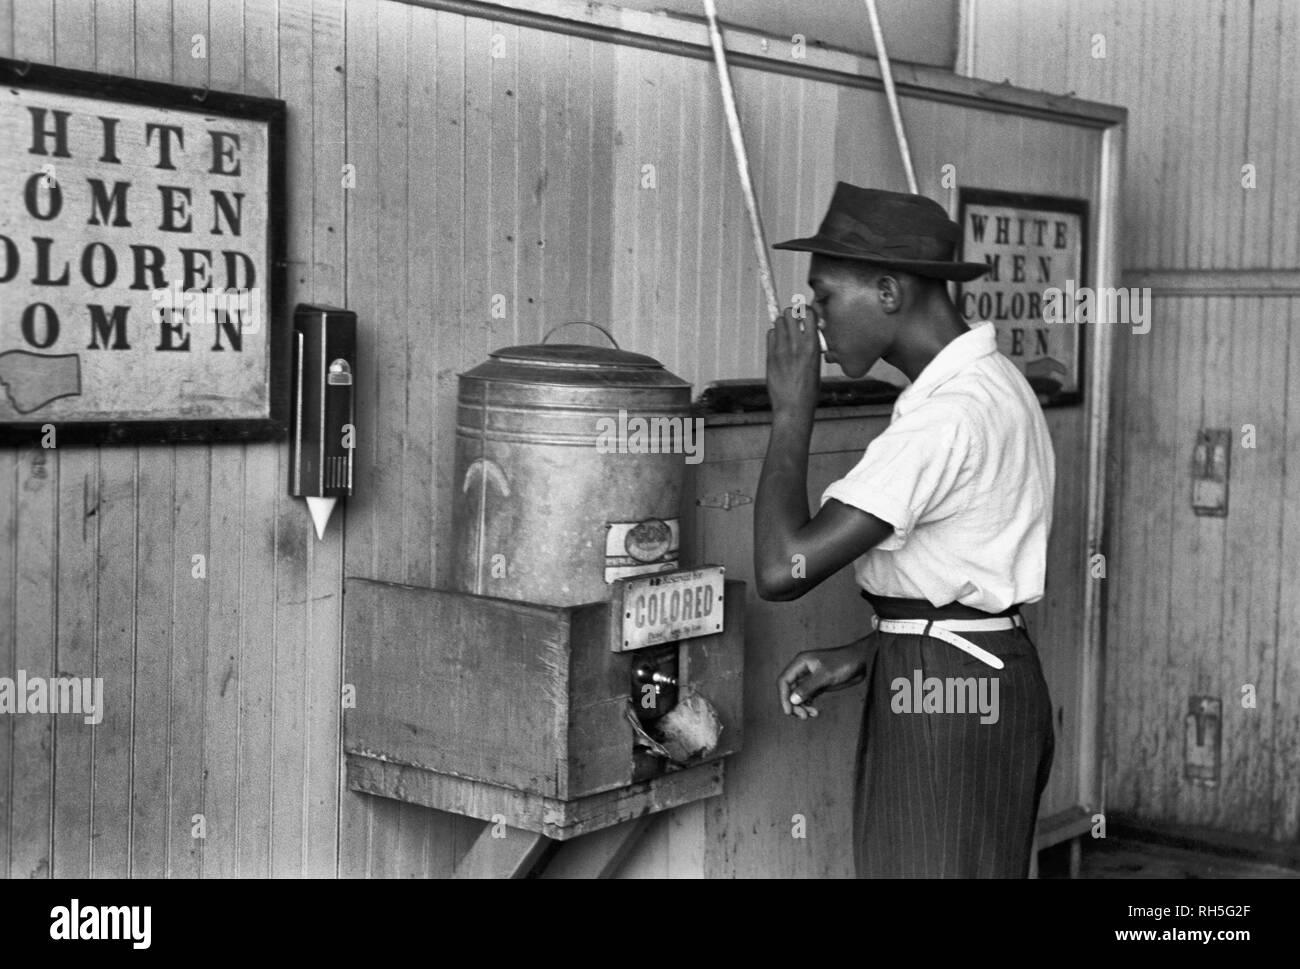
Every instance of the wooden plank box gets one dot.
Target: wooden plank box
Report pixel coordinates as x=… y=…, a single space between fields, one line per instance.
x=492 y=707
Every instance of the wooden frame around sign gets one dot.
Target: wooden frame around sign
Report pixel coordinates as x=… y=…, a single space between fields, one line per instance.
x=272 y=113
x=1041 y=203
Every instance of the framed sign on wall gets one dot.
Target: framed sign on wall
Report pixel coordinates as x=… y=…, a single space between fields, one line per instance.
x=1037 y=248
x=141 y=260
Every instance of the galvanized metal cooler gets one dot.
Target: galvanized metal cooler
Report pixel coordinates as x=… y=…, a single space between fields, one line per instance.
x=568 y=471
x=533 y=691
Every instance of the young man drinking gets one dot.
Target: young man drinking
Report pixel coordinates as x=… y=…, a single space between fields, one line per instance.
x=945 y=520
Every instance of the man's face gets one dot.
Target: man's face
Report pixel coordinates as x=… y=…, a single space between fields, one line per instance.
x=857 y=330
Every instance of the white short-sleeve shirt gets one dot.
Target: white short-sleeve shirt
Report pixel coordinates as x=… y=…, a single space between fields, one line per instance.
x=965 y=473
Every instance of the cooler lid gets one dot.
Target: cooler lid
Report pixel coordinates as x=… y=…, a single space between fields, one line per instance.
x=578 y=355
x=575 y=363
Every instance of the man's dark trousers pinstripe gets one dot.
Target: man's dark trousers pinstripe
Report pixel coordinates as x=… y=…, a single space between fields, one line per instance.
x=943 y=795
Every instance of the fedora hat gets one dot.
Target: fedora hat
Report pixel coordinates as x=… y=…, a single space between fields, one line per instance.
x=891 y=229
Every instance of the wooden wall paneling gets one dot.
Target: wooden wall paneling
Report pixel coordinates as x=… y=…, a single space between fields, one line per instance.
x=1229 y=324
x=424 y=350
x=1285 y=789
x=647 y=858
x=219 y=687
x=531 y=121
x=150 y=830
x=155 y=630
x=1117 y=557
x=74 y=33
x=664 y=327
x=666 y=333
x=186 y=707
x=389 y=327
x=1178 y=199
x=716 y=170
x=321 y=681
x=450 y=315
x=256 y=666
x=686 y=839
x=7 y=35
x=1201 y=804
x=1251 y=236
x=482 y=78
x=771 y=113
x=293 y=529
x=682 y=316
x=718 y=350
x=1170 y=673
x=264 y=480
x=379 y=837
x=361 y=286
x=34 y=593
x=603 y=183
x=1193 y=601
x=1145 y=636
x=75 y=568
x=34 y=643
x=1257 y=379
x=424 y=323
x=743 y=348
x=1224 y=200
x=1054 y=621
x=1206 y=173
x=1142 y=84
x=408 y=839
x=502 y=219
x=1282 y=250
x=1124 y=563
x=778 y=180
x=477 y=237
x=363 y=818
x=113 y=515
x=405 y=845
x=191 y=509
x=10 y=461
x=561 y=243
x=225 y=555
x=633 y=260
x=459 y=329
x=9 y=489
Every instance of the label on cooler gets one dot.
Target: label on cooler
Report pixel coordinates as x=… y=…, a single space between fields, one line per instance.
x=668 y=607
x=640 y=548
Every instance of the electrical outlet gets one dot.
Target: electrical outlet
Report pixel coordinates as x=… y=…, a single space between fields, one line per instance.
x=1210 y=463
x=1202 y=729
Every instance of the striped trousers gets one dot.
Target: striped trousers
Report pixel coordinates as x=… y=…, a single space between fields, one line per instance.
x=940 y=793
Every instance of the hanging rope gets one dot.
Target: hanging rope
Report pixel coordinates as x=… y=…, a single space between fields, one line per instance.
x=878 y=37
x=742 y=161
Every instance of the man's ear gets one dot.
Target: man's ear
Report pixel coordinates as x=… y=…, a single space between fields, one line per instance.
x=891 y=293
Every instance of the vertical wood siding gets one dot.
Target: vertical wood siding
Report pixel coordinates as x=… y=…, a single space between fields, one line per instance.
x=1196 y=605
x=517 y=176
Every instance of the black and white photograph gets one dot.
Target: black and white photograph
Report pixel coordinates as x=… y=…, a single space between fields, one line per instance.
x=656 y=440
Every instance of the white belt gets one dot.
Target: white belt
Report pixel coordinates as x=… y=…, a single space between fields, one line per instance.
x=947 y=629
